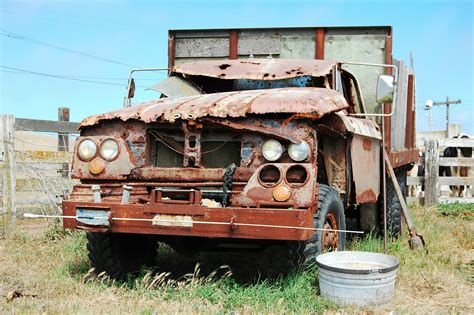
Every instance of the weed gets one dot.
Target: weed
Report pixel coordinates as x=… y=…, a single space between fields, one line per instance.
x=55 y=231
x=463 y=211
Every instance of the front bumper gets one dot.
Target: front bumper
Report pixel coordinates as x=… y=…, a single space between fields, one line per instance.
x=275 y=220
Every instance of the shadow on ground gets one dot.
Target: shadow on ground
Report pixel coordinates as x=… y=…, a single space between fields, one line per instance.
x=245 y=267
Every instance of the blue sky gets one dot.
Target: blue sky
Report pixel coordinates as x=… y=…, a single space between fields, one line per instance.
x=438 y=33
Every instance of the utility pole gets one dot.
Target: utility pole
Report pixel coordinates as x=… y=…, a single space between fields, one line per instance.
x=447 y=103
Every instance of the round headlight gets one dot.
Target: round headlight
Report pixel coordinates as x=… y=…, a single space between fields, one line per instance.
x=87 y=150
x=272 y=150
x=109 y=149
x=299 y=152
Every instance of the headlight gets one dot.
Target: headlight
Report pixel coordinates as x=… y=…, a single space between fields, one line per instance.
x=87 y=150
x=272 y=150
x=299 y=152
x=109 y=149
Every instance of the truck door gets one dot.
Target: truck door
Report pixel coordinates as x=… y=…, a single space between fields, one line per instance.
x=365 y=146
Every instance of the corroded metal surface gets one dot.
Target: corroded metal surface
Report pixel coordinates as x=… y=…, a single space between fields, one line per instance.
x=255 y=194
x=257 y=69
x=316 y=101
x=266 y=216
x=360 y=126
x=404 y=157
x=365 y=156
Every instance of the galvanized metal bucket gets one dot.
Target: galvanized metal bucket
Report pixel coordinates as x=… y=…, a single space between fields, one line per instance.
x=357 y=278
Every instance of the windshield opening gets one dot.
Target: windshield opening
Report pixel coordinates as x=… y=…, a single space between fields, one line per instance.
x=216 y=85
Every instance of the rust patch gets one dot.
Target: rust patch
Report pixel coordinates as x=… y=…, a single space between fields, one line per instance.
x=263 y=69
x=367 y=144
x=367 y=196
x=404 y=157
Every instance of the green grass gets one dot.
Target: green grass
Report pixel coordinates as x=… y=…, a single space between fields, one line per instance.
x=457 y=210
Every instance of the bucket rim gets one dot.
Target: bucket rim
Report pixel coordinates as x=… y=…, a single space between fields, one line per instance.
x=358 y=271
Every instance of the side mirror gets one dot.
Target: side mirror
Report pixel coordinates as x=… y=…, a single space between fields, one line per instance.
x=131 y=88
x=385 y=88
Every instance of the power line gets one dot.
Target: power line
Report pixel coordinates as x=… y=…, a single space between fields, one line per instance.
x=63 y=77
x=37 y=42
x=92 y=77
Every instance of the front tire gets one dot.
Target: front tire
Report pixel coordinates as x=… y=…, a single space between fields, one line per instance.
x=120 y=254
x=330 y=216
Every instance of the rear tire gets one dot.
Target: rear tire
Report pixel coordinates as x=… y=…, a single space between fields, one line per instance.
x=394 y=207
x=330 y=215
x=120 y=254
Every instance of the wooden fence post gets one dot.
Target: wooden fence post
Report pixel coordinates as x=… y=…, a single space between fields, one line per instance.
x=63 y=139
x=8 y=172
x=431 y=172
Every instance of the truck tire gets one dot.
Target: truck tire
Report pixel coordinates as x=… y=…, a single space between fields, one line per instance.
x=330 y=215
x=120 y=254
x=394 y=207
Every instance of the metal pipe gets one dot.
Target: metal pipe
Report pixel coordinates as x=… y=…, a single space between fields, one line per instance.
x=127 y=99
x=384 y=186
x=126 y=194
x=96 y=193
x=395 y=82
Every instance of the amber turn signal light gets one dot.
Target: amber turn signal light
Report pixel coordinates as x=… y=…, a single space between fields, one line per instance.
x=96 y=166
x=281 y=193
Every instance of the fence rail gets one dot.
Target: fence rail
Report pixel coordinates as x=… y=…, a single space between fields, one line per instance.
x=432 y=181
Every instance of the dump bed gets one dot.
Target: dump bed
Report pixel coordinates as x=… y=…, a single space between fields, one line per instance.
x=356 y=44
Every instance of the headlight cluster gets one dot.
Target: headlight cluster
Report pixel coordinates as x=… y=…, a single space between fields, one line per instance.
x=87 y=149
x=272 y=150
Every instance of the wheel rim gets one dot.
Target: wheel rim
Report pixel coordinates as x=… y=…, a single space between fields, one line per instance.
x=330 y=236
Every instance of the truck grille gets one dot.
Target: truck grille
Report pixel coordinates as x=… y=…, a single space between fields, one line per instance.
x=218 y=148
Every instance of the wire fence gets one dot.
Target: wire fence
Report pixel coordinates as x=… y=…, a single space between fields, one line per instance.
x=43 y=174
x=35 y=167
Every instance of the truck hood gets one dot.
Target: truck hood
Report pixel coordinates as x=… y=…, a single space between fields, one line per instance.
x=313 y=103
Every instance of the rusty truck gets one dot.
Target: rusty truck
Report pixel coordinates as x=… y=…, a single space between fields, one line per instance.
x=256 y=137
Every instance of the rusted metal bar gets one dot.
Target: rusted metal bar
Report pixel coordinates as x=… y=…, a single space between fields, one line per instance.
x=171 y=49
x=387 y=109
x=233 y=44
x=388 y=52
x=410 y=127
x=319 y=50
